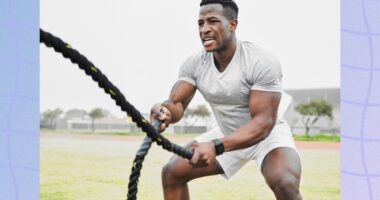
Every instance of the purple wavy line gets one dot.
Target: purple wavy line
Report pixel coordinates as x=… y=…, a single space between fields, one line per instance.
x=13 y=178
x=20 y=96
x=359 y=33
x=347 y=66
x=358 y=139
x=12 y=102
x=363 y=117
x=358 y=103
x=20 y=132
x=18 y=24
x=21 y=60
x=359 y=174
x=26 y=168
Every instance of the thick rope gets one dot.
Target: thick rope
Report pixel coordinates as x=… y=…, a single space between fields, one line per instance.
x=68 y=52
x=137 y=164
x=136 y=168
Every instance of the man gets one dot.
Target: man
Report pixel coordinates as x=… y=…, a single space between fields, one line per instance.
x=242 y=84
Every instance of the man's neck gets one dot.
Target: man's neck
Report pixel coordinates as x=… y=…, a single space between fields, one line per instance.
x=223 y=58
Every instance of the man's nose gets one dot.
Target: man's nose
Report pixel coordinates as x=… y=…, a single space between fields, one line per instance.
x=205 y=28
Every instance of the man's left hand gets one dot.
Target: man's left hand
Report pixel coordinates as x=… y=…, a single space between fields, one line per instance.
x=204 y=154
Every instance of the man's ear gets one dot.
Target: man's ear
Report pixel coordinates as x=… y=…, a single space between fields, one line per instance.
x=233 y=25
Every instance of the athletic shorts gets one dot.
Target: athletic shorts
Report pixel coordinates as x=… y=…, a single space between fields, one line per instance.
x=232 y=161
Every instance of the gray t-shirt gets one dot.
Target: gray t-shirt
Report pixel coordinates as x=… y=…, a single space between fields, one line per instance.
x=227 y=92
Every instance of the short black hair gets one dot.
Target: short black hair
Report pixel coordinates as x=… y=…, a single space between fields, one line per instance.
x=230 y=8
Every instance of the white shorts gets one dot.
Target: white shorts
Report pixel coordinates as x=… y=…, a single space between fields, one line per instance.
x=232 y=161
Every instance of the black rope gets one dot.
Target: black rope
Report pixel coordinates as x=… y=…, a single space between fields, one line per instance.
x=137 y=164
x=68 y=52
x=136 y=168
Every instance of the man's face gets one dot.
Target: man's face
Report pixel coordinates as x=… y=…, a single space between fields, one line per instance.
x=214 y=28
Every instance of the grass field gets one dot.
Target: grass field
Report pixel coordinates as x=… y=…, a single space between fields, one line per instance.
x=98 y=169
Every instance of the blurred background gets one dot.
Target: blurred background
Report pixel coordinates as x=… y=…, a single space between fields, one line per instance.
x=140 y=45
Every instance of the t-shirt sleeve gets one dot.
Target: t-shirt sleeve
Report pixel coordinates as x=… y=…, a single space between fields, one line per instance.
x=187 y=71
x=267 y=75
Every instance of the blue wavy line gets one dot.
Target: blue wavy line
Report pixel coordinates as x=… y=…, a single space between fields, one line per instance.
x=358 y=139
x=358 y=103
x=347 y=66
x=359 y=32
x=359 y=174
x=17 y=24
x=20 y=132
x=11 y=105
x=19 y=60
x=12 y=102
x=26 y=168
x=363 y=117
x=20 y=96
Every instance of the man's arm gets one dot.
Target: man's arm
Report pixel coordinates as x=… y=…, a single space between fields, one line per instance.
x=173 y=109
x=263 y=109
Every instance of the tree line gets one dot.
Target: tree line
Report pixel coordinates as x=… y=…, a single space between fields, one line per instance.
x=310 y=113
x=51 y=116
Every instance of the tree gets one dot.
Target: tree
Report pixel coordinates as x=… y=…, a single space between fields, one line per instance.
x=50 y=116
x=312 y=111
x=192 y=115
x=201 y=111
x=95 y=113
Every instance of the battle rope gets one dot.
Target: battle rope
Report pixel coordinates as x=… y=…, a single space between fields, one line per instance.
x=136 y=168
x=75 y=57
x=137 y=165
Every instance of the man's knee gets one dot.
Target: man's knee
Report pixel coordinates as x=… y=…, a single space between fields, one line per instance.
x=282 y=172
x=172 y=174
x=287 y=184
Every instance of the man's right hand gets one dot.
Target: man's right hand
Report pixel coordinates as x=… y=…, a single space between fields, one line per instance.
x=161 y=113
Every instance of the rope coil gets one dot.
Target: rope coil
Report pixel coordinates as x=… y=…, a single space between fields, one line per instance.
x=75 y=57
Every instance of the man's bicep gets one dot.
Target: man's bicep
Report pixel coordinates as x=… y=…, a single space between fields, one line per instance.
x=264 y=104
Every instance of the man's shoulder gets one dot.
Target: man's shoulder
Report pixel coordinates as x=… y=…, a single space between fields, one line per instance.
x=257 y=55
x=255 y=50
x=199 y=55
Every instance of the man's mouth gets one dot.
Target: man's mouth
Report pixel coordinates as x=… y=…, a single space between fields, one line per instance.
x=207 y=41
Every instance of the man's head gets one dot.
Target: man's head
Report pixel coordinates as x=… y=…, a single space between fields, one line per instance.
x=217 y=23
x=230 y=8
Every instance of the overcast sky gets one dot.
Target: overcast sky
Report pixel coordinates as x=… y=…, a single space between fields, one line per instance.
x=139 y=46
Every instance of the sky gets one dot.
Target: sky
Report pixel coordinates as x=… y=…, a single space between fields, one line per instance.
x=140 y=45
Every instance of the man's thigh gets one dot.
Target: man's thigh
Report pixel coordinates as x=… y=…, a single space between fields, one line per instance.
x=282 y=164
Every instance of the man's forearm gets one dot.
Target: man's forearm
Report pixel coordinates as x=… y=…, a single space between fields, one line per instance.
x=249 y=134
x=176 y=110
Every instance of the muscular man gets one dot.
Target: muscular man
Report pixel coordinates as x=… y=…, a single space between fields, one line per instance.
x=242 y=84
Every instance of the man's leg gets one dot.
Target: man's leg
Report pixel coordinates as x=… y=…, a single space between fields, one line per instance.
x=178 y=172
x=282 y=171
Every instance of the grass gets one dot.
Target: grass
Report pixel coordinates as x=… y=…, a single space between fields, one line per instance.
x=99 y=169
x=317 y=137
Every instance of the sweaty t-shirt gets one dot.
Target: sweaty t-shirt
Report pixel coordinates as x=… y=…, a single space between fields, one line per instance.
x=227 y=92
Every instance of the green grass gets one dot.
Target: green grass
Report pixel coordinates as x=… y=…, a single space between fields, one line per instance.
x=84 y=169
x=319 y=138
